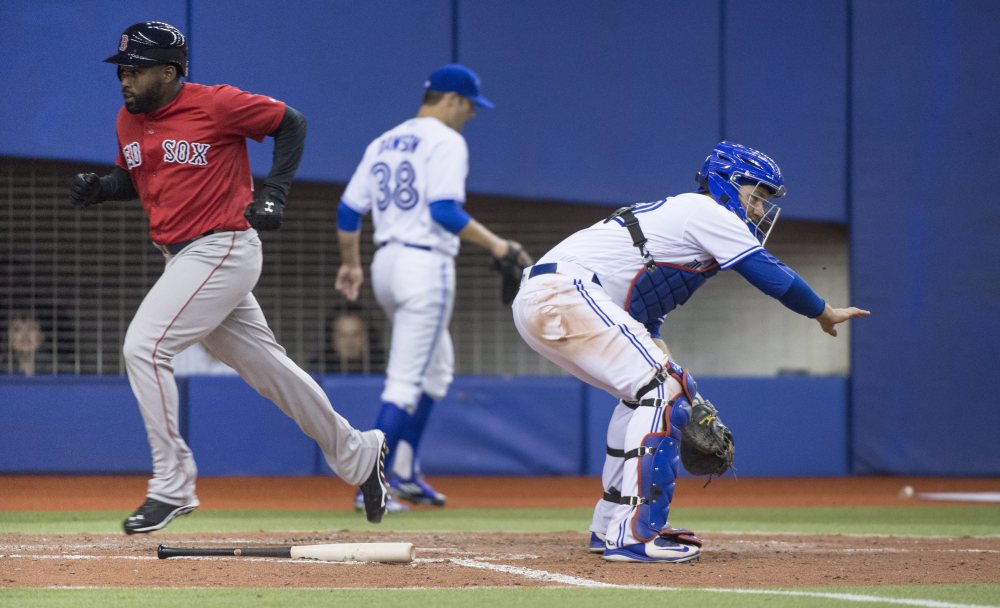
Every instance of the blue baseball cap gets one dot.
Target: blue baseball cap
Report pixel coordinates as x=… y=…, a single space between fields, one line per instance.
x=456 y=78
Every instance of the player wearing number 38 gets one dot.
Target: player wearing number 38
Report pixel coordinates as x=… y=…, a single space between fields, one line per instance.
x=412 y=180
x=183 y=153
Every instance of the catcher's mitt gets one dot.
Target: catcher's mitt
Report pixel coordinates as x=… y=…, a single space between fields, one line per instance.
x=510 y=266
x=707 y=446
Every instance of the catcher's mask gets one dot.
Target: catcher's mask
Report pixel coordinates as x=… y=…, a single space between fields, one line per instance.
x=728 y=169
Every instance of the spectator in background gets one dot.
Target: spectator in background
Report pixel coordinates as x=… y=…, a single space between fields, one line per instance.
x=23 y=354
x=350 y=346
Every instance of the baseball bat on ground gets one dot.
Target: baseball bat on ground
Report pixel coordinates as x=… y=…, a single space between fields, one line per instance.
x=338 y=552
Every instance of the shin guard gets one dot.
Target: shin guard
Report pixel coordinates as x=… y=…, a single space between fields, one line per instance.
x=659 y=459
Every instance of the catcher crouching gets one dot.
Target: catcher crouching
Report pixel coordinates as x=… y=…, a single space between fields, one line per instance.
x=660 y=419
x=595 y=303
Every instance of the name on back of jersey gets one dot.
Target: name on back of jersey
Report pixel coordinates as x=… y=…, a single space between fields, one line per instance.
x=399 y=143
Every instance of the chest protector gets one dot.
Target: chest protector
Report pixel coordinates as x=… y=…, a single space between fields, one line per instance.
x=657 y=290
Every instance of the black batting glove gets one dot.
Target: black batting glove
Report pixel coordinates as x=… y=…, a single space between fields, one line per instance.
x=266 y=213
x=85 y=189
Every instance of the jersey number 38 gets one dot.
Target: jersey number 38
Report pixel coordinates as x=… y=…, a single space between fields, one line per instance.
x=398 y=191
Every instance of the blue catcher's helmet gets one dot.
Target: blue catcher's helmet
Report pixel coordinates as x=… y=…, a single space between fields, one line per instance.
x=730 y=166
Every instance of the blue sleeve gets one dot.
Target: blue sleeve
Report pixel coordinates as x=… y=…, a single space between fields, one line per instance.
x=768 y=274
x=348 y=219
x=452 y=217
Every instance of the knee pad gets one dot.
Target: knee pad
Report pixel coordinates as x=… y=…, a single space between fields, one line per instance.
x=689 y=387
x=658 y=462
x=680 y=414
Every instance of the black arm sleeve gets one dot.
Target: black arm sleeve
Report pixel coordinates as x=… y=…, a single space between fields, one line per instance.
x=289 y=141
x=117 y=186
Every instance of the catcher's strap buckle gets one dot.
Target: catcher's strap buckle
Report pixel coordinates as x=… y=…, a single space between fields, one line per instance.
x=639 y=451
x=658 y=378
x=650 y=402
x=639 y=239
x=613 y=495
x=633 y=501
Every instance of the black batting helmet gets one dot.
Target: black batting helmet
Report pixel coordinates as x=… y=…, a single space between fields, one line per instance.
x=152 y=43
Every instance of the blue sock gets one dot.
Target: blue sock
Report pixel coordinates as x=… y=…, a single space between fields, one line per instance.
x=393 y=421
x=415 y=430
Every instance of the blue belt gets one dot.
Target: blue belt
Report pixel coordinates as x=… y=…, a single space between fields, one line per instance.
x=552 y=268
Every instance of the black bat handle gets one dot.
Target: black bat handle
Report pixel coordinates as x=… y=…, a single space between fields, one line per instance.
x=163 y=551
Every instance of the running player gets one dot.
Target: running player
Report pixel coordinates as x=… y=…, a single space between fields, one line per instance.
x=183 y=153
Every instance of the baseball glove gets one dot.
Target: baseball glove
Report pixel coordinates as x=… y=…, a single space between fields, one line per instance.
x=510 y=266
x=707 y=446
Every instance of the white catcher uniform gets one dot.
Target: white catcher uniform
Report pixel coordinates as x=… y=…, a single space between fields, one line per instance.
x=416 y=163
x=572 y=309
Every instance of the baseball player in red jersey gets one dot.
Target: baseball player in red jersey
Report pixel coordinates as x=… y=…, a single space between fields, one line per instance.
x=183 y=153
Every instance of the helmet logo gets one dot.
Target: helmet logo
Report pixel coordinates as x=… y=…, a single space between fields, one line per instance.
x=123 y=44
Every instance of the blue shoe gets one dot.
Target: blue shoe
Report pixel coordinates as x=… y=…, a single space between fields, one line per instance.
x=416 y=491
x=596 y=543
x=660 y=549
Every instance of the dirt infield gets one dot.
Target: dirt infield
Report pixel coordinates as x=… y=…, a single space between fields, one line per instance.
x=494 y=559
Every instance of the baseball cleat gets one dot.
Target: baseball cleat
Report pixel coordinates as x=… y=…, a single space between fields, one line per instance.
x=660 y=549
x=391 y=504
x=596 y=543
x=155 y=515
x=416 y=491
x=375 y=489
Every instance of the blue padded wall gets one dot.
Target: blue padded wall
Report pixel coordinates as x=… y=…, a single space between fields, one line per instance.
x=597 y=102
x=65 y=100
x=786 y=93
x=71 y=425
x=355 y=69
x=485 y=426
x=234 y=431
x=924 y=232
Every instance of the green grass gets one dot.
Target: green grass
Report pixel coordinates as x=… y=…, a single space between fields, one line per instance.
x=978 y=520
x=981 y=595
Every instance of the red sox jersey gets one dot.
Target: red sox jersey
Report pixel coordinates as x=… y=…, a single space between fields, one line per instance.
x=188 y=160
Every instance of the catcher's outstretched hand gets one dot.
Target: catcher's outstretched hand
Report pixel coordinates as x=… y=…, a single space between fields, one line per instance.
x=831 y=317
x=510 y=266
x=349 y=280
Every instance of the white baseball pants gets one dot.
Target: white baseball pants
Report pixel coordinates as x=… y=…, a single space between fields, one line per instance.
x=571 y=321
x=416 y=289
